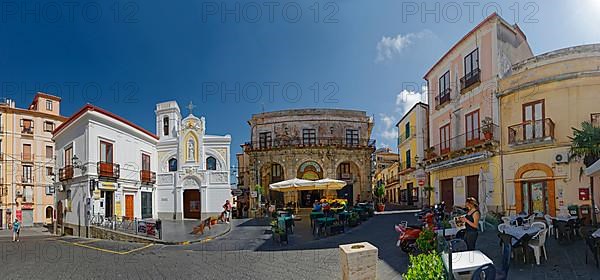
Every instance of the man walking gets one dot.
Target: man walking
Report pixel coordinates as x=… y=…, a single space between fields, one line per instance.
x=16 y=230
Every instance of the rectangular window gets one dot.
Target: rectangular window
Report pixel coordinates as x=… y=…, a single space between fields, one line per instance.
x=408 y=159
x=27 y=156
x=48 y=126
x=595 y=119
x=276 y=172
x=28 y=196
x=49 y=152
x=49 y=171
x=533 y=120
x=264 y=140
x=166 y=126
x=407 y=130
x=472 y=127
x=146 y=205
x=49 y=105
x=106 y=152
x=49 y=190
x=445 y=139
x=145 y=162
x=352 y=137
x=27 y=174
x=472 y=63
x=444 y=87
x=26 y=126
x=68 y=156
x=309 y=136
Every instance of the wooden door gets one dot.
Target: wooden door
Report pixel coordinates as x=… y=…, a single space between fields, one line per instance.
x=473 y=187
x=191 y=204
x=447 y=190
x=129 y=206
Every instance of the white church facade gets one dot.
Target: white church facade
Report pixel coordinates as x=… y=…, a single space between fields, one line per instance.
x=193 y=177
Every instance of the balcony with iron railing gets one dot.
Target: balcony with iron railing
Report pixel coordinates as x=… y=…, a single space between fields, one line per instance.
x=442 y=99
x=470 y=80
x=531 y=132
x=392 y=180
x=403 y=136
x=27 y=130
x=65 y=173
x=27 y=180
x=299 y=142
x=464 y=144
x=406 y=167
x=109 y=170
x=147 y=177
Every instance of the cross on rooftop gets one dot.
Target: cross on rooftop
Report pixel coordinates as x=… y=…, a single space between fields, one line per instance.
x=191 y=107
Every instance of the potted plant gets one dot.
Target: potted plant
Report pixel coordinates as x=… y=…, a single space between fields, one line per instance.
x=425 y=267
x=353 y=219
x=430 y=153
x=487 y=128
x=380 y=193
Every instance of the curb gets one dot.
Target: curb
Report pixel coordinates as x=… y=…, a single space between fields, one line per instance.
x=397 y=212
x=202 y=240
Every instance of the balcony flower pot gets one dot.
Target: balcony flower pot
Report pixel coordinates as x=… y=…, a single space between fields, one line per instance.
x=488 y=135
x=380 y=207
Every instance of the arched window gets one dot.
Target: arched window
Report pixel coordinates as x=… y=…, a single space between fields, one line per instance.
x=211 y=163
x=173 y=165
x=166 y=126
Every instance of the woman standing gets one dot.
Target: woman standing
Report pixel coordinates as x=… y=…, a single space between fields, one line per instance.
x=471 y=221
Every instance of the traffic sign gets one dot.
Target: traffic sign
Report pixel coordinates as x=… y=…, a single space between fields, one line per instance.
x=421 y=182
x=236 y=192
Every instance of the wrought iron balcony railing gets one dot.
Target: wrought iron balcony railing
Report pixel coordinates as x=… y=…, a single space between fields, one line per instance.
x=147 y=177
x=299 y=142
x=65 y=173
x=470 y=79
x=442 y=99
x=531 y=132
x=109 y=170
x=465 y=142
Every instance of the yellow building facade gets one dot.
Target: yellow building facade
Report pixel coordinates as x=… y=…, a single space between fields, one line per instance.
x=27 y=160
x=542 y=100
x=413 y=131
x=388 y=177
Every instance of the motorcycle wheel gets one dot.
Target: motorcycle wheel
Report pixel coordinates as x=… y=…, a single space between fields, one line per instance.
x=407 y=246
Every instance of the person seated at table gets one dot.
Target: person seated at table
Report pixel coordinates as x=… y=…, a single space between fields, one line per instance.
x=326 y=207
x=471 y=221
x=317 y=206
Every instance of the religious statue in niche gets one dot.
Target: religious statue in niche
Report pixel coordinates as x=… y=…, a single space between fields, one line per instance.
x=191 y=150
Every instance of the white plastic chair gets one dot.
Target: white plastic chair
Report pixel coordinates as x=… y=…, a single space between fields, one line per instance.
x=540 y=225
x=482 y=222
x=538 y=244
x=550 y=224
x=530 y=220
x=502 y=227
x=506 y=220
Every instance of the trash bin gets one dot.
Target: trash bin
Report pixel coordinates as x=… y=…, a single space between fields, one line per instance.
x=585 y=214
x=573 y=210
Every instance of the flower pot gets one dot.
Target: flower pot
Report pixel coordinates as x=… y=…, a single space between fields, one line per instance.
x=488 y=135
x=380 y=207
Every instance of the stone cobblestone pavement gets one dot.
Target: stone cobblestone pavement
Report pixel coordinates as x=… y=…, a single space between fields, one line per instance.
x=247 y=252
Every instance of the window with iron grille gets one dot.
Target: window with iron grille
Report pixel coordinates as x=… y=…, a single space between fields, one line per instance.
x=309 y=136
x=471 y=62
x=352 y=137
x=264 y=140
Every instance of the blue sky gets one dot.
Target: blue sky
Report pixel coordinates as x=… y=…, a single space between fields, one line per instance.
x=126 y=56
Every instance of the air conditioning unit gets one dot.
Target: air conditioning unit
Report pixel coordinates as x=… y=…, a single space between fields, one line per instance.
x=561 y=157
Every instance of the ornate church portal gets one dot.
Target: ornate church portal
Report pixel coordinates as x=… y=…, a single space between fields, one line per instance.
x=193 y=177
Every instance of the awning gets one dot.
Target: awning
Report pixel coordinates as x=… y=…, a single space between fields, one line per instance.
x=105 y=186
x=307 y=185
x=593 y=170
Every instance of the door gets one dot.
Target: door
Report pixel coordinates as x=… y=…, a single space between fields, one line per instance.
x=191 y=204
x=409 y=193
x=473 y=187
x=109 y=204
x=1 y=217
x=535 y=197
x=129 y=206
x=27 y=220
x=447 y=189
x=533 y=118
x=146 y=205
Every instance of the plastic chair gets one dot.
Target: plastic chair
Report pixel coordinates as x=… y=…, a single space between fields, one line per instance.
x=506 y=220
x=482 y=222
x=530 y=220
x=540 y=225
x=563 y=230
x=551 y=229
x=486 y=272
x=538 y=244
x=458 y=245
x=502 y=227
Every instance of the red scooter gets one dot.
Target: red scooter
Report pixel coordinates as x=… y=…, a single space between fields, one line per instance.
x=407 y=241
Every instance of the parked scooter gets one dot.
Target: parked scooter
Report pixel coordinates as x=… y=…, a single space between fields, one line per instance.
x=407 y=240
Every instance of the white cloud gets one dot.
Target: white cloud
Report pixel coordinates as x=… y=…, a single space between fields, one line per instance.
x=406 y=99
x=388 y=47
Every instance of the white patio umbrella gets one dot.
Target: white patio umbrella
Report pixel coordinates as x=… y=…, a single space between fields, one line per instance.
x=330 y=184
x=290 y=185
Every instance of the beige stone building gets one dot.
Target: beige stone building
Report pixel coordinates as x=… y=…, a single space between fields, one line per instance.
x=27 y=160
x=542 y=100
x=310 y=144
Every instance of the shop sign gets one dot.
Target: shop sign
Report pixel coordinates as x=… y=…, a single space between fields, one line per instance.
x=253 y=194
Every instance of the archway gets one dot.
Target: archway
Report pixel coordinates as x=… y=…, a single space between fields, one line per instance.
x=191 y=199
x=310 y=170
x=535 y=189
x=49 y=214
x=349 y=172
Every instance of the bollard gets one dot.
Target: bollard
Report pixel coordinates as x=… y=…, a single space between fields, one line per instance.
x=359 y=261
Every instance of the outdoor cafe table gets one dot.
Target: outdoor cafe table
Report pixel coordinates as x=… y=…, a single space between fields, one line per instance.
x=324 y=222
x=449 y=232
x=518 y=232
x=468 y=261
x=343 y=216
x=314 y=216
x=565 y=218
